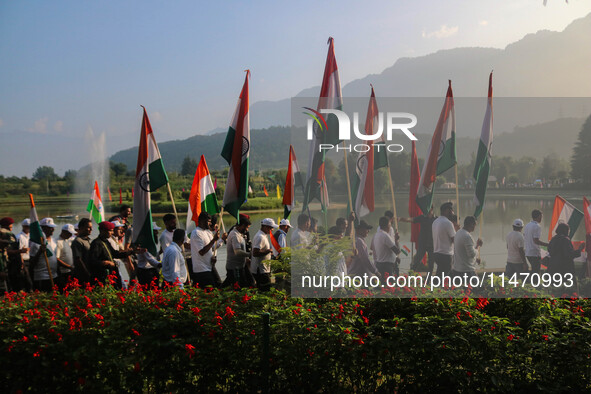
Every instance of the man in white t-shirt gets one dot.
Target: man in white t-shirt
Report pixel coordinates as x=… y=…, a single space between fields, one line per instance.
x=385 y=249
x=203 y=241
x=64 y=254
x=300 y=237
x=532 y=234
x=41 y=277
x=170 y=224
x=464 y=250
x=174 y=267
x=515 y=250
x=261 y=255
x=443 y=238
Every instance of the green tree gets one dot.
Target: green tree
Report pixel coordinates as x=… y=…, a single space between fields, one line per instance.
x=189 y=166
x=581 y=157
x=44 y=173
x=118 y=168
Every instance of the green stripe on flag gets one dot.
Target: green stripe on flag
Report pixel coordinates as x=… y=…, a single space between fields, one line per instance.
x=481 y=172
x=210 y=205
x=380 y=156
x=447 y=159
x=233 y=207
x=574 y=221
x=146 y=236
x=35 y=233
x=229 y=145
x=94 y=212
x=158 y=177
x=425 y=202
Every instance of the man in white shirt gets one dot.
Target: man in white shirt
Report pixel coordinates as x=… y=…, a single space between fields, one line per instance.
x=23 y=244
x=385 y=249
x=261 y=255
x=532 y=234
x=300 y=238
x=170 y=224
x=464 y=250
x=515 y=250
x=361 y=263
x=203 y=241
x=64 y=255
x=41 y=276
x=443 y=238
x=174 y=268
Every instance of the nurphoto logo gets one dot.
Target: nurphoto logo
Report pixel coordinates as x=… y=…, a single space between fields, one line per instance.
x=318 y=125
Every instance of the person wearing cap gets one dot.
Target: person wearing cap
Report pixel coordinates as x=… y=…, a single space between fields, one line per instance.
x=124 y=266
x=361 y=264
x=102 y=255
x=424 y=240
x=261 y=255
x=562 y=253
x=124 y=217
x=301 y=237
x=80 y=249
x=443 y=238
x=41 y=276
x=174 y=267
x=281 y=233
x=237 y=255
x=516 y=262
x=532 y=233
x=385 y=249
x=23 y=245
x=464 y=250
x=65 y=257
x=147 y=264
x=203 y=241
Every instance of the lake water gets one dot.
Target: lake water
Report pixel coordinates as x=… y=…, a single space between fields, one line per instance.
x=499 y=213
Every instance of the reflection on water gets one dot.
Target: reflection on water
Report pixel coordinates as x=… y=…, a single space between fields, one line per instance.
x=499 y=213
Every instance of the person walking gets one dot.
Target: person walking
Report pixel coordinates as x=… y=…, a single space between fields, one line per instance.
x=516 y=262
x=443 y=238
x=465 y=251
x=532 y=234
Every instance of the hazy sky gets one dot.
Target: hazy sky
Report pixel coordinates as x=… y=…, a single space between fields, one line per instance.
x=66 y=66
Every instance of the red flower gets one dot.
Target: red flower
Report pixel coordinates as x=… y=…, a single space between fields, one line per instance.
x=545 y=337
x=510 y=337
x=245 y=298
x=229 y=312
x=252 y=332
x=190 y=349
x=136 y=367
x=468 y=373
x=135 y=332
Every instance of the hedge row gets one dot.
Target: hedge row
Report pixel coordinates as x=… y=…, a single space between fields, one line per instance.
x=107 y=340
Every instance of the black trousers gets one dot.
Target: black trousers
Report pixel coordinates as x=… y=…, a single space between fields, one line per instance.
x=263 y=281
x=443 y=262
x=387 y=268
x=145 y=276
x=204 y=279
x=421 y=250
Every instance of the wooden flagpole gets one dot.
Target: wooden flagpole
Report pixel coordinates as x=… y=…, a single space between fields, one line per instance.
x=457 y=193
x=178 y=220
x=47 y=265
x=349 y=194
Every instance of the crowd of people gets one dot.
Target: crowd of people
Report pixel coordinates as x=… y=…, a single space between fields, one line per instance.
x=190 y=259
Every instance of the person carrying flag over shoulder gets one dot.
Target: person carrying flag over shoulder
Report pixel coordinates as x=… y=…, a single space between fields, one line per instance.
x=261 y=255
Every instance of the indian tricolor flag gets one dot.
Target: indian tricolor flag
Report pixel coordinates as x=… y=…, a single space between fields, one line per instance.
x=202 y=197
x=236 y=151
x=413 y=207
x=431 y=168
x=274 y=245
x=36 y=234
x=149 y=176
x=292 y=179
x=564 y=212
x=364 y=198
x=95 y=205
x=447 y=149
x=484 y=156
x=324 y=132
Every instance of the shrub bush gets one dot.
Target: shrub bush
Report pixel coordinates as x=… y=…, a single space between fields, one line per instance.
x=109 y=340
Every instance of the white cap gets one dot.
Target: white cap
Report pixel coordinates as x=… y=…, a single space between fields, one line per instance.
x=285 y=222
x=155 y=226
x=117 y=223
x=518 y=223
x=26 y=222
x=69 y=228
x=48 y=222
x=268 y=222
